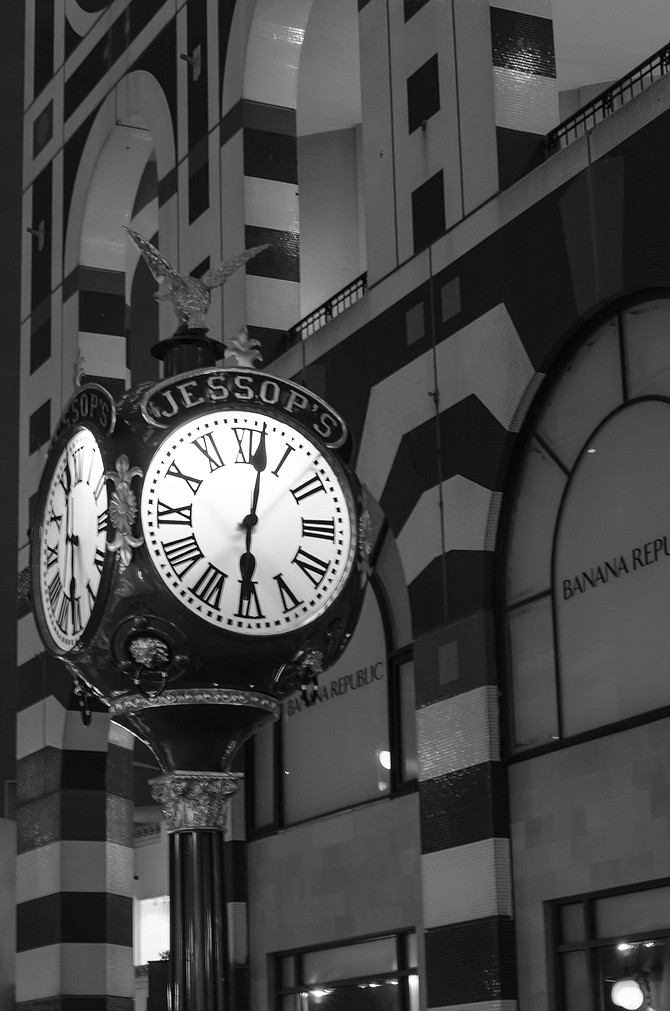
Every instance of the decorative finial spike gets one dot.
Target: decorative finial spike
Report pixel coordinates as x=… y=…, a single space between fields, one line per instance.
x=189 y=296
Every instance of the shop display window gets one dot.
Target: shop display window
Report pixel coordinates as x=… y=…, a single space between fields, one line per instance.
x=588 y=538
x=354 y=744
x=378 y=974
x=612 y=950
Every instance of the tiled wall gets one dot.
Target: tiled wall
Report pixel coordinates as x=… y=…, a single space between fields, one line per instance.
x=328 y=880
x=590 y=817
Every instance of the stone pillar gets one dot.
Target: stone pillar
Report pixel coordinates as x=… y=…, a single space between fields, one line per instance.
x=195 y=806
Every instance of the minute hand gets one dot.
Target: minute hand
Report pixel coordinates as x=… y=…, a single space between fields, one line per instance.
x=259 y=461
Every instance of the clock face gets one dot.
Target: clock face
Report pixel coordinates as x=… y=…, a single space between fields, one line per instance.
x=247 y=523
x=71 y=542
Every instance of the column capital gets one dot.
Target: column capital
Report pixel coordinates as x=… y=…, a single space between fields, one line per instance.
x=195 y=800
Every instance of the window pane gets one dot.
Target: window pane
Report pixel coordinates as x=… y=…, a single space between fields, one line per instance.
x=287 y=970
x=575 y=981
x=588 y=390
x=350 y=960
x=532 y=663
x=647 y=329
x=407 y=721
x=642 y=969
x=154 y=928
x=612 y=572
x=535 y=511
x=263 y=744
x=376 y=996
x=572 y=922
x=633 y=913
x=335 y=753
x=413 y=982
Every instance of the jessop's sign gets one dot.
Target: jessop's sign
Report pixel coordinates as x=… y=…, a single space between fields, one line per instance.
x=169 y=401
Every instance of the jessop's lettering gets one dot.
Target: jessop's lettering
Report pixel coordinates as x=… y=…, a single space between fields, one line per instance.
x=92 y=405
x=340 y=686
x=637 y=558
x=173 y=398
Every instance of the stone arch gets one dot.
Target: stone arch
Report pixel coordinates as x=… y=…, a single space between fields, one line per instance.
x=129 y=152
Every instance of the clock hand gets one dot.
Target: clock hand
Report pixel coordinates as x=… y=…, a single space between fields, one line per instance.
x=259 y=461
x=247 y=566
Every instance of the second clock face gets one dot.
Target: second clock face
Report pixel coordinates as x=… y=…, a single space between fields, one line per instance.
x=247 y=523
x=71 y=545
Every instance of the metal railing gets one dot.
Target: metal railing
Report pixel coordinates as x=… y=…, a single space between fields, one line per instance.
x=348 y=296
x=609 y=101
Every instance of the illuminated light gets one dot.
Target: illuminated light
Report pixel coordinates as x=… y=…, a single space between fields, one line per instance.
x=624 y=946
x=319 y=993
x=371 y=985
x=627 y=994
x=649 y=944
x=590 y=450
x=384 y=758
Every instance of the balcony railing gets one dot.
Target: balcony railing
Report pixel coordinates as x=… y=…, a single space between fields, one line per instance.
x=609 y=101
x=329 y=310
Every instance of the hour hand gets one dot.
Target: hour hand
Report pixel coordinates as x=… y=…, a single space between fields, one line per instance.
x=247 y=568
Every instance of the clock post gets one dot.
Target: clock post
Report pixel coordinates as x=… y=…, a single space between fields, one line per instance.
x=212 y=563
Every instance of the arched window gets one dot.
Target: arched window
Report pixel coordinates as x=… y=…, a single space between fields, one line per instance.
x=587 y=581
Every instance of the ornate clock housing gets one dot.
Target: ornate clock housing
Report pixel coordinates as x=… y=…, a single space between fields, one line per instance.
x=69 y=555
x=235 y=563
x=248 y=521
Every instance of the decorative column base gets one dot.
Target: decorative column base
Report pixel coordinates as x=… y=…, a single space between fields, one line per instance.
x=194 y=804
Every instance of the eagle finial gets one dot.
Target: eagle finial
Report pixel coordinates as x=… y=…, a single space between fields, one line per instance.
x=189 y=296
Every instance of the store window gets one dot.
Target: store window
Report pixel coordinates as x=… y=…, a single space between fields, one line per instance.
x=355 y=744
x=588 y=554
x=612 y=950
x=379 y=974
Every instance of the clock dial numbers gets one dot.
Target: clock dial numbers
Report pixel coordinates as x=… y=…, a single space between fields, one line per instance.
x=182 y=554
x=173 y=515
x=321 y=529
x=246 y=522
x=210 y=450
x=289 y=601
x=71 y=545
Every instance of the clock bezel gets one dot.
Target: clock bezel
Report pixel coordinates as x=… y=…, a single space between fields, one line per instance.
x=63 y=437
x=165 y=437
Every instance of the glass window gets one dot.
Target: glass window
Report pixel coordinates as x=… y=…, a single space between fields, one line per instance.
x=153 y=935
x=623 y=960
x=373 y=975
x=356 y=743
x=588 y=559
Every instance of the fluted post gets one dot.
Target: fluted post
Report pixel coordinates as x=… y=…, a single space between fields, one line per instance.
x=194 y=805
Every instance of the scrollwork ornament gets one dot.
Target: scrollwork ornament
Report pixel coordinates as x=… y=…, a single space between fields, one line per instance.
x=123 y=510
x=195 y=800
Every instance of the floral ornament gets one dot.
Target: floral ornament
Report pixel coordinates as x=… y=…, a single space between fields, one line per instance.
x=242 y=350
x=123 y=510
x=309 y=668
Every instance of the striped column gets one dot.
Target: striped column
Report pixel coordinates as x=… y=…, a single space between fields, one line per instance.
x=446 y=533
x=267 y=115
x=236 y=893
x=74 y=851
x=524 y=74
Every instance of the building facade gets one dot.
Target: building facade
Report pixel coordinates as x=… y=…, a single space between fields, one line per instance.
x=475 y=813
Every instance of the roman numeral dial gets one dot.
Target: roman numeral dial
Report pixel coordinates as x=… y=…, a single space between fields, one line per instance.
x=70 y=549
x=247 y=521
